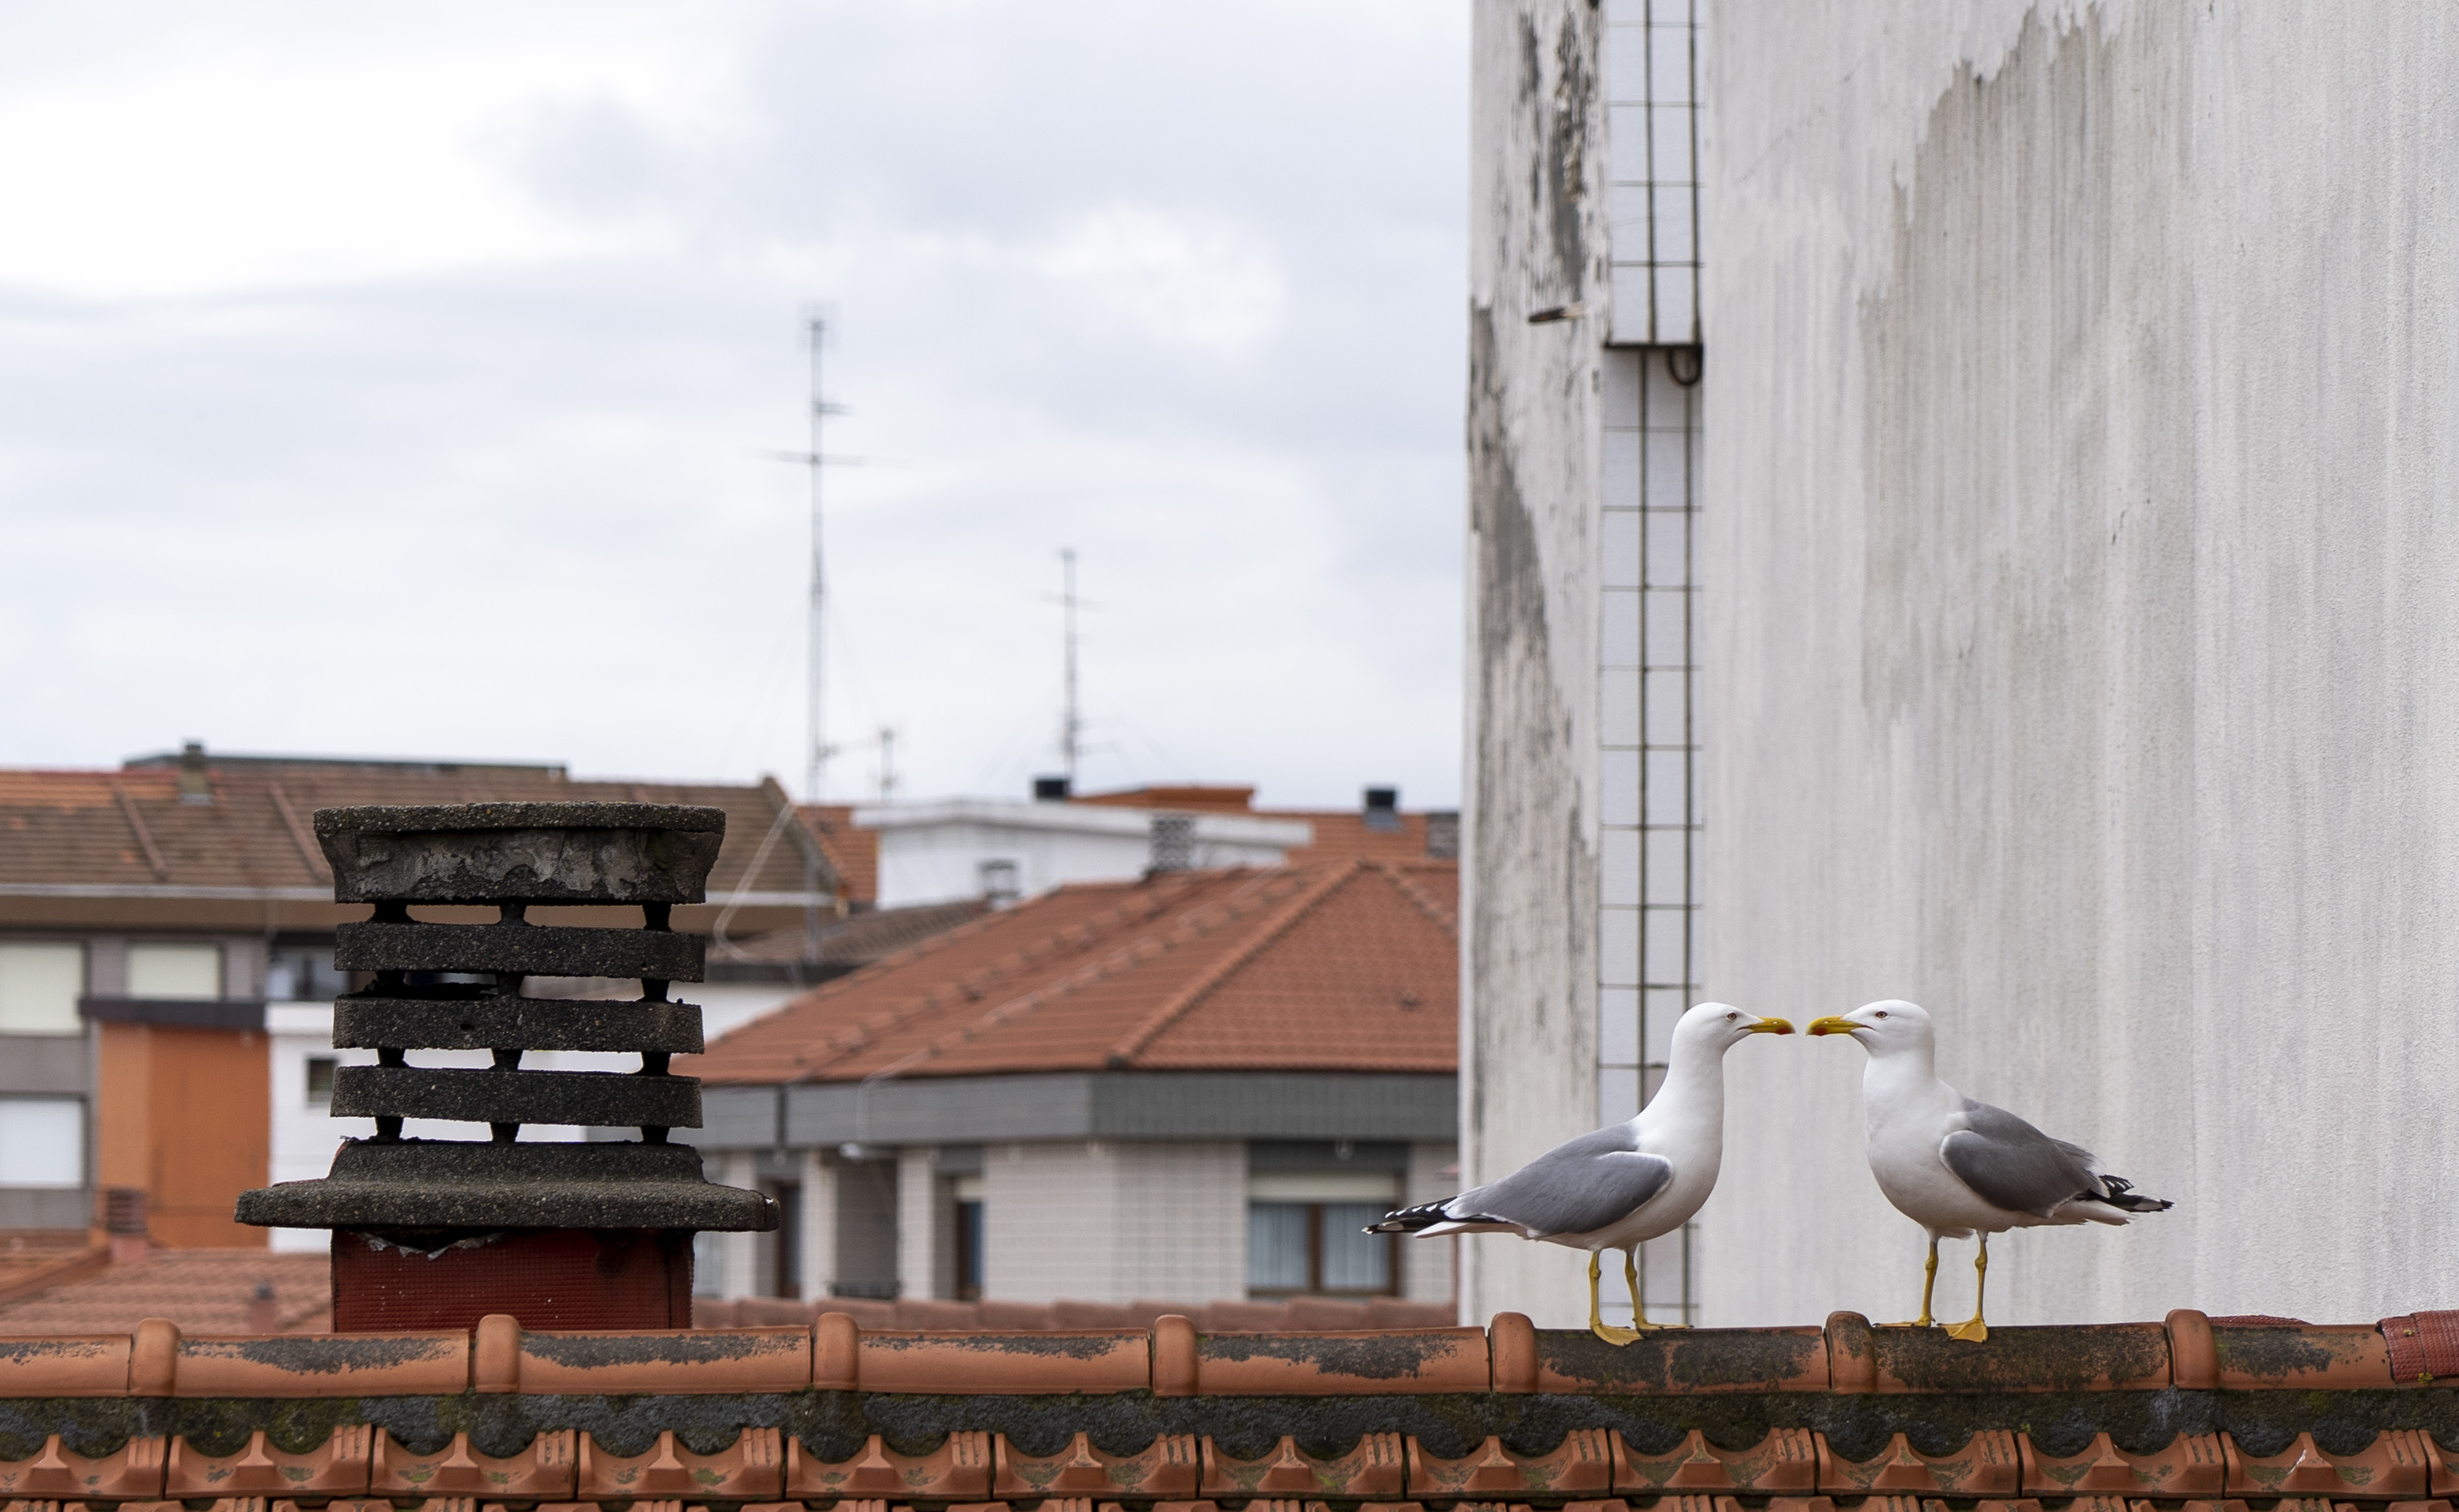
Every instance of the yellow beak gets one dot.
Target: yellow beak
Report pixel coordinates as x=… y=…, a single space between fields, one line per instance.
x=1770 y=1026
x=1833 y=1025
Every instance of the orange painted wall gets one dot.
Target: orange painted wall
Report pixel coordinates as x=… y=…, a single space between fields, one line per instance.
x=184 y=1114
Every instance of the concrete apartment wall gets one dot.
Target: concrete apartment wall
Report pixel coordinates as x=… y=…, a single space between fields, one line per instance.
x=2081 y=547
x=1531 y=813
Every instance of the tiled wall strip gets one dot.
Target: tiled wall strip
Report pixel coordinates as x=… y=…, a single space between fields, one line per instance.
x=1172 y=1359
x=764 y=1465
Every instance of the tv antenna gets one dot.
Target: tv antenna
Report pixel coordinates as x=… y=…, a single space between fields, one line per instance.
x=1071 y=719
x=816 y=749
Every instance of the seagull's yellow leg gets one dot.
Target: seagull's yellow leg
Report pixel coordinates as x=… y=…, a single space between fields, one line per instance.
x=1597 y=1323
x=1975 y=1331
x=1929 y=1281
x=1639 y=1308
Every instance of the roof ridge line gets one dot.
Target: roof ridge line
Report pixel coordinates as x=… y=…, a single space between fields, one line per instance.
x=1211 y=977
x=1408 y=887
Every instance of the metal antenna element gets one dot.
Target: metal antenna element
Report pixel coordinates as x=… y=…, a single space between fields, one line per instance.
x=816 y=746
x=887 y=763
x=1071 y=722
x=816 y=749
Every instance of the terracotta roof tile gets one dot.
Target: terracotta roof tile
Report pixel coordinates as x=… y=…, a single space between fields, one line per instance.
x=203 y=1291
x=1340 y=966
x=1171 y=1355
x=107 y=827
x=853 y=851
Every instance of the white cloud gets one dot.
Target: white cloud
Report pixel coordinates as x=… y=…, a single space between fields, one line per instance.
x=1196 y=285
x=398 y=382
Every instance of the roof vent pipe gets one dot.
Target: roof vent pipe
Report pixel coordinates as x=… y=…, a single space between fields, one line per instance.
x=193 y=787
x=1050 y=789
x=1382 y=807
x=1173 y=842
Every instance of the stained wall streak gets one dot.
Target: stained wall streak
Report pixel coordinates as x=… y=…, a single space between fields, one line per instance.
x=2081 y=529
x=1538 y=237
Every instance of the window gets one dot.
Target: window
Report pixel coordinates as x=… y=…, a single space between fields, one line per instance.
x=1322 y=1247
x=969 y=1237
x=39 y=986
x=42 y=1141
x=320 y=1080
x=189 y=972
x=1306 y=1227
x=302 y=973
x=1000 y=882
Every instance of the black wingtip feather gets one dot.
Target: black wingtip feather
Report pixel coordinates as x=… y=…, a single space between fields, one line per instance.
x=1425 y=1215
x=2123 y=1196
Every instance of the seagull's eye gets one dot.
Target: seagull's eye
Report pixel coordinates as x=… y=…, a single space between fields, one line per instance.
x=1881 y=1014
x=1729 y=1018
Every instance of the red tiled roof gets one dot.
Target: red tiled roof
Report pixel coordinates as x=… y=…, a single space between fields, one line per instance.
x=853 y=851
x=1339 y=966
x=203 y=1291
x=1343 y=832
x=129 y=828
x=1788 y=1368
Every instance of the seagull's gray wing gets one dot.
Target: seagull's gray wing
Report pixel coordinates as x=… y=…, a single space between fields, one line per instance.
x=2014 y=1166
x=1576 y=1187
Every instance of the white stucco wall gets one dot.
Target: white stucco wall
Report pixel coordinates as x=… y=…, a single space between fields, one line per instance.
x=933 y=852
x=2081 y=533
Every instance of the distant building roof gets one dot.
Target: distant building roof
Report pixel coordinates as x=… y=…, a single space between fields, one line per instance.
x=846 y=945
x=1386 y=834
x=853 y=851
x=1336 y=966
x=203 y=1291
x=240 y=825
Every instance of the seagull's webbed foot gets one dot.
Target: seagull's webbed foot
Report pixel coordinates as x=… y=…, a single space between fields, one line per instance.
x=1929 y=1282
x=1972 y=1331
x=1639 y=1308
x=1597 y=1324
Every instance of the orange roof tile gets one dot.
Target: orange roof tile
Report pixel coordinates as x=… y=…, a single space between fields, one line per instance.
x=853 y=851
x=1339 y=966
x=203 y=1291
x=129 y=828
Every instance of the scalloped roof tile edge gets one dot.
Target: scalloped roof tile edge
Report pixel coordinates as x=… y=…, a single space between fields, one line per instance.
x=1847 y=1356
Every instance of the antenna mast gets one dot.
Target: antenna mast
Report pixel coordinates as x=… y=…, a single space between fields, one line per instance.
x=1071 y=722
x=815 y=749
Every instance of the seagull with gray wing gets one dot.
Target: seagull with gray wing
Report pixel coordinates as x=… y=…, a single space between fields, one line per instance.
x=1959 y=1168
x=1620 y=1187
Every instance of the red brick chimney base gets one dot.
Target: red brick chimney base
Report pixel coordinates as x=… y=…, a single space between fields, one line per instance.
x=549 y=1278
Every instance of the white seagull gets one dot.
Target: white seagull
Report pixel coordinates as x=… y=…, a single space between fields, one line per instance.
x=1620 y=1187
x=1956 y=1166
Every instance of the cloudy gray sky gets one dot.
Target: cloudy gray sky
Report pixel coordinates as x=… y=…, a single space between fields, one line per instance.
x=400 y=381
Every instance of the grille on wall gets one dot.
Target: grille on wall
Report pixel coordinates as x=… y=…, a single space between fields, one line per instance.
x=1650 y=812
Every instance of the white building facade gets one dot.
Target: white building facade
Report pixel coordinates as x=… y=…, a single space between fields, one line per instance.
x=1004 y=849
x=2069 y=574
x=1102 y=1187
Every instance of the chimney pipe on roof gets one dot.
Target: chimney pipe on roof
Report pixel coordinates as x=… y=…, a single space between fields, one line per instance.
x=1051 y=790
x=1173 y=842
x=1382 y=807
x=193 y=787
